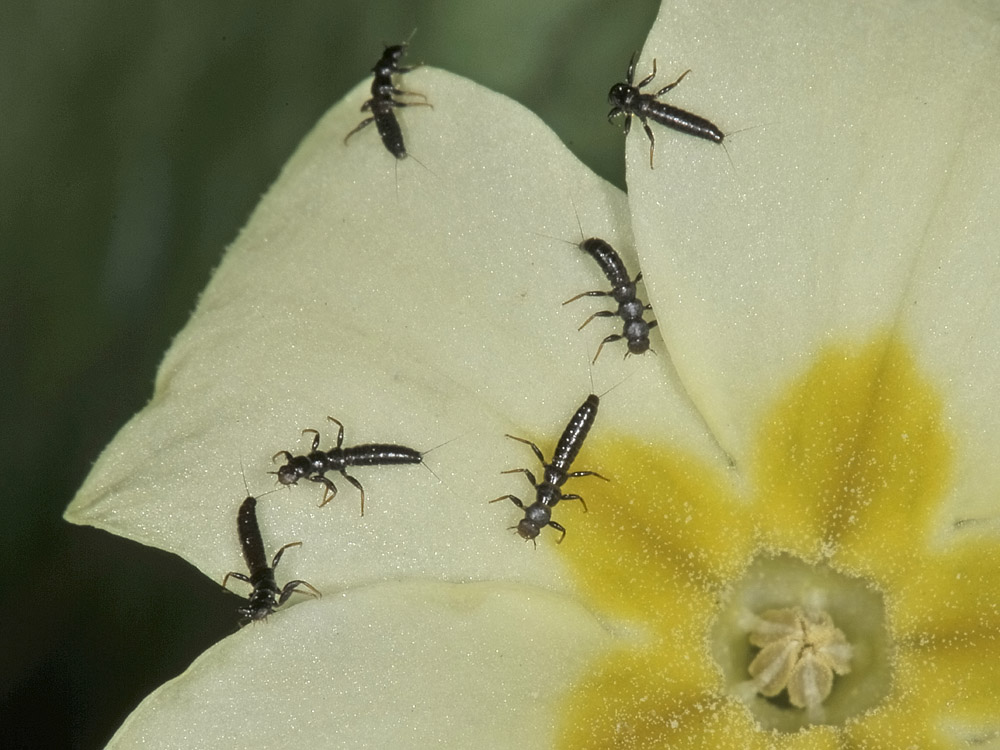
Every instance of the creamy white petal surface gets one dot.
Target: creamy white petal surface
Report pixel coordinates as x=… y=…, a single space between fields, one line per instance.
x=418 y=302
x=861 y=197
x=394 y=665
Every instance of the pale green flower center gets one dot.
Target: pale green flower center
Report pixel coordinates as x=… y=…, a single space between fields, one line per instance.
x=802 y=644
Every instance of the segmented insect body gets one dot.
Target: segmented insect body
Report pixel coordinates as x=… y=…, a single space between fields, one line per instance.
x=548 y=492
x=388 y=126
x=628 y=100
x=266 y=596
x=316 y=463
x=635 y=329
x=381 y=104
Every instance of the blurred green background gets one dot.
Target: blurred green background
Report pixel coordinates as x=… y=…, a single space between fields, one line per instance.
x=136 y=140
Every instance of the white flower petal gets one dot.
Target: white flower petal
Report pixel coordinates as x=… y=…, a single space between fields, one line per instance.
x=952 y=308
x=394 y=665
x=861 y=195
x=418 y=303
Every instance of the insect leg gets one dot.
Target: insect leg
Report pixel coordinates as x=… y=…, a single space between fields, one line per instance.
x=669 y=86
x=514 y=499
x=400 y=92
x=652 y=141
x=575 y=497
x=587 y=474
x=362 y=124
x=357 y=484
x=290 y=588
x=277 y=555
x=630 y=75
x=648 y=78
x=340 y=431
x=395 y=103
x=328 y=488
x=599 y=314
x=234 y=574
x=607 y=340
x=315 y=442
x=587 y=294
x=533 y=446
x=556 y=526
x=531 y=477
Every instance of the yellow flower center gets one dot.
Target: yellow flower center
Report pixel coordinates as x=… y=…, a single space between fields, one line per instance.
x=778 y=594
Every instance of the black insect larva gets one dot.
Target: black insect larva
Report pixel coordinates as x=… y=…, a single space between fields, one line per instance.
x=547 y=492
x=316 y=463
x=626 y=99
x=266 y=596
x=381 y=104
x=630 y=308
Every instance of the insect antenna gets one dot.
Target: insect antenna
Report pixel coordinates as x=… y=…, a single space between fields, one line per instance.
x=246 y=486
x=554 y=239
x=243 y=473
x=577 y=215
x=563 y=239
x=408 y=39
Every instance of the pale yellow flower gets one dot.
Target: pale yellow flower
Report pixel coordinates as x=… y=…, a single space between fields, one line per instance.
x=812 y=446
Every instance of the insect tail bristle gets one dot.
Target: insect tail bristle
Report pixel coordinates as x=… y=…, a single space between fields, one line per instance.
x=623 y=380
